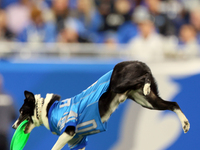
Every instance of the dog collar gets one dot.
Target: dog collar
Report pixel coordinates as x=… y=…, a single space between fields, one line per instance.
x=39 y=104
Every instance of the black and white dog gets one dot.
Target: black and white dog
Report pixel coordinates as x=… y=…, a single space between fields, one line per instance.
x=129 y=80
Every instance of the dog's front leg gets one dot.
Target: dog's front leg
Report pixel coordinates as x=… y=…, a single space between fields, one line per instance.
x=62 y=141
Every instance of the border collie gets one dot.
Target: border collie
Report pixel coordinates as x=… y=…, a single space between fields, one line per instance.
x=73 y=119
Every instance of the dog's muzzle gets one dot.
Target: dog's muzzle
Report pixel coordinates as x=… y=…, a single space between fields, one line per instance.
x=14 y=126
x=20 y=120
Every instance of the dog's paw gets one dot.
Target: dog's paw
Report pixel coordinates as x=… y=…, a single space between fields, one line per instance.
x=186 y=126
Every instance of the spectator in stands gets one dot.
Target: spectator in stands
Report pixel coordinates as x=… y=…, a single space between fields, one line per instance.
x=195 y=21
x=127 y=29
x=7 y=116
x=89 y=18
x=46 y=9
x=188 y=46
x=123 y=9
x=61 y=12
x=126 y=32
x=162 y=23
x=117 y=27
x=105 y=9
x=38 y=30
x=148 y=44
x=190 y=5
x=18 y=16
x=176 y=12
x=71 y=32
x=5 y=33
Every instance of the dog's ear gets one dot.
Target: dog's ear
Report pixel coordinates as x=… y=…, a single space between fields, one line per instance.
x=29 y=95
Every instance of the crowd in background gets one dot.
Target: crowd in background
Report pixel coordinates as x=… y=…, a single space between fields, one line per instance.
x=140 y=23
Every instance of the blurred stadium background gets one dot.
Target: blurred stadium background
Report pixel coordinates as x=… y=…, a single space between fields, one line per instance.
x=63 y=46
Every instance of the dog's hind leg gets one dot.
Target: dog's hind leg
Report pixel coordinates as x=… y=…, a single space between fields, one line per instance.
x=160 y=104
x=173 y=106
x=152 y=101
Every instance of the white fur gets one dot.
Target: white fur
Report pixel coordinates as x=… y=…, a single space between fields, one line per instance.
x=119 y=98
x=44 y=112
x=30 y=128
x=184 y=121
x=62 y=141
x=38 y=100
x=140 y=99
x=147 y=89
x=15 y=124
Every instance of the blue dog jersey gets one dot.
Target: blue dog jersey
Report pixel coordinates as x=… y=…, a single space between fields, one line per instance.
x=80 y=111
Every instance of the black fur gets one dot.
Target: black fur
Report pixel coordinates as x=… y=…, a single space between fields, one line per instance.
x=132 y=75
x=129 y=75
x=27 y=109
x=54 y=98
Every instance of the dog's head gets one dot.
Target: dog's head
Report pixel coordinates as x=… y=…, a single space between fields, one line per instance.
x=28 y=112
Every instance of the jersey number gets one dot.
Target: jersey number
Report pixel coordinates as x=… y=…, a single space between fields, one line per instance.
x=86 y=127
